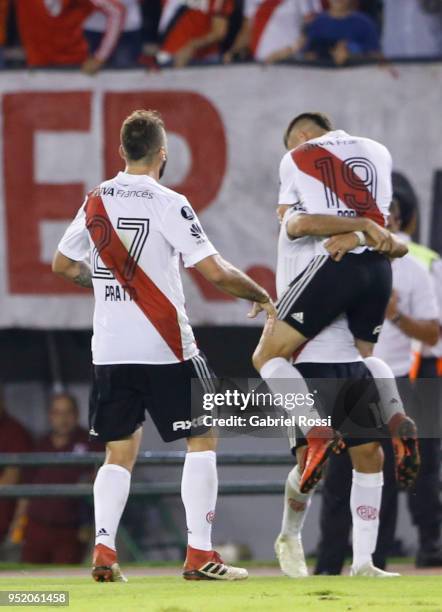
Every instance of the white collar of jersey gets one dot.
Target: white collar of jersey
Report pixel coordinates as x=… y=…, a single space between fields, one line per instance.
x=337 y=134
x=124 y=178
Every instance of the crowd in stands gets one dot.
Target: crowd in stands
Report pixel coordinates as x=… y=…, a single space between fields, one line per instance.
x=127 y=33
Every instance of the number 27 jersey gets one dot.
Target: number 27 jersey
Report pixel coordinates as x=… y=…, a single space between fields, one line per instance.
x=338 y=174
x=135 y=230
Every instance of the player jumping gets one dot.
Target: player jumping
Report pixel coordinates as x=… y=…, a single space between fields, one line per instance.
x=340 y=186
x=144 y=353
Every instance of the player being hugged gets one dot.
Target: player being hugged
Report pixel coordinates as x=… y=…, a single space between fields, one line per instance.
x=133 y=231
x=336 y=185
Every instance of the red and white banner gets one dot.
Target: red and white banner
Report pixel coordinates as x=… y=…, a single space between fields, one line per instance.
x=59 y=138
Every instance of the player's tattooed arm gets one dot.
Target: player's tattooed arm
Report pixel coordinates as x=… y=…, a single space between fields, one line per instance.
x=83 y=276
x=231 y=280
x=77 y=272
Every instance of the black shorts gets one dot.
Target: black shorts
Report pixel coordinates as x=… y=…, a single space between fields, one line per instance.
x=347 y=393
x=171 y=393
x=359 y=286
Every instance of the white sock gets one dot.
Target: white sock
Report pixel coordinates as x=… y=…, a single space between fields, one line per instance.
x=365 y=504
x=293 y=520
x=391 y=402
x=111 y=490
x=282 y=378
x=199 y=490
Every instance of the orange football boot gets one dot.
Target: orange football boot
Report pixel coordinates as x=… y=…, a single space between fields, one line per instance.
x=321 y=441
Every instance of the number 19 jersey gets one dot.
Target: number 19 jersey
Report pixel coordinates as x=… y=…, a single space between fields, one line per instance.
x=338 y=174
x=135 y=230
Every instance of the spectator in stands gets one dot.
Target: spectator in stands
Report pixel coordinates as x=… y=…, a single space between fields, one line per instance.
x=341 y=34
x=4 y=5
x=52 y=32
x=193 y=30
x=55 y=531
x=269 y=28
x=129 y=45
x=13 y=439
x=412 y=28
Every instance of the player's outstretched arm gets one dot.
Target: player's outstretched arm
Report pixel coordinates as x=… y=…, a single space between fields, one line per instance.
x=77 y=272
x=231 y=280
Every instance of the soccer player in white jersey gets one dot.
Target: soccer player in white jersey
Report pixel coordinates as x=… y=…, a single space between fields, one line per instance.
x=341 y=185
x=334 y=363
x=144 y=354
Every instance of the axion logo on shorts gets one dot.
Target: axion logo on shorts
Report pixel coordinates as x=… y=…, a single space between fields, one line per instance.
x=377 y=330
x=198 y=422
x=367 y=513
x=210 y=517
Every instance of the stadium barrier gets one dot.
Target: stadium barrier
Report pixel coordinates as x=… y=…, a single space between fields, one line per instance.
x=139 y=489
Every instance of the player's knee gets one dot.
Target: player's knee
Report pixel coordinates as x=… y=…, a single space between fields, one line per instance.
x=200 y=444
x=368 y=458
x=123 y=456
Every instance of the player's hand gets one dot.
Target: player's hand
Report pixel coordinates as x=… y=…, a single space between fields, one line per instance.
x=92 y=65
x=270 y=309
x=378 y=237
x=339 y=245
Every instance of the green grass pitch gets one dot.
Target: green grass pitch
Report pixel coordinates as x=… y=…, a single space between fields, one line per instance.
x=280 y=594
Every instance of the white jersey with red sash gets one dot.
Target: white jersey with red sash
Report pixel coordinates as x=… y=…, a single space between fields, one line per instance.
x=135 y=230
x=338 y=174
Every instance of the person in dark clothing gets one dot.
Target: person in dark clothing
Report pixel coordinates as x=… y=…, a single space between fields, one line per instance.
x=55 y=530
x=341 y=34
x=14 y=438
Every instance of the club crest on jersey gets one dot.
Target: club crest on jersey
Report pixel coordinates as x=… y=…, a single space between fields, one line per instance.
x=187 y=213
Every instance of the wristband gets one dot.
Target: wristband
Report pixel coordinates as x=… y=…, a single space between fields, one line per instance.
x=361 y=238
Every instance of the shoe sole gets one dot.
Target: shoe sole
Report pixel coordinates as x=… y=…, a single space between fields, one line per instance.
x=102 y=573
x=196 y=575
x=336 y=446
